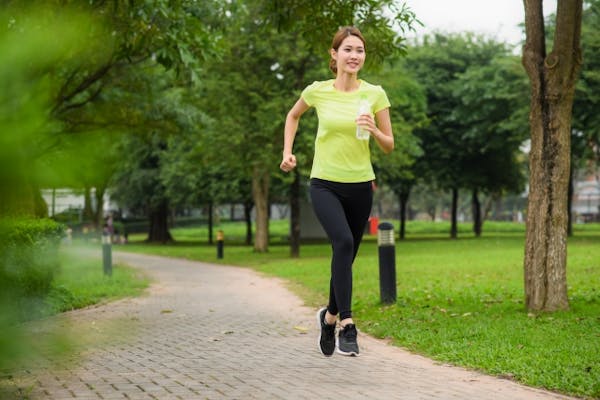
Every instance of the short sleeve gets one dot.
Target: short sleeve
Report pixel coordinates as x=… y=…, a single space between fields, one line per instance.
x=382 y=101
x=308 y=94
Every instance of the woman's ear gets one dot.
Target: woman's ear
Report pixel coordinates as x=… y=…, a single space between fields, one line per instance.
x=333 y=54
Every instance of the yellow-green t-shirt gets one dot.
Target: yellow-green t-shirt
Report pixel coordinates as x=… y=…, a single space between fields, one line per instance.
x=339 y=155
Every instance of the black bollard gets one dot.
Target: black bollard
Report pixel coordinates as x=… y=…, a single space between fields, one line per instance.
x=107 y=254
x=220 y=243
x=387 y=262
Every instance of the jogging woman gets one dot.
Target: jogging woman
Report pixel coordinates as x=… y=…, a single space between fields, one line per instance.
x=341 y=185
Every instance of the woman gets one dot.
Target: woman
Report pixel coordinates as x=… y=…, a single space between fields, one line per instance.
x=342 y=175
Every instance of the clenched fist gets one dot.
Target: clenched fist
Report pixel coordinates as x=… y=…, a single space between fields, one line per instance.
x=288 y=163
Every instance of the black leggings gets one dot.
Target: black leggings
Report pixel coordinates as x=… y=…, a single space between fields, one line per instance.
x=343 y=210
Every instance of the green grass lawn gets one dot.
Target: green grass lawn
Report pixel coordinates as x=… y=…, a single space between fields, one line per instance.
x=459 y=301
x=81 y=282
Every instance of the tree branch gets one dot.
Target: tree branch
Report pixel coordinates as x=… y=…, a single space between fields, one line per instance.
x=85 y=84
x=90 y=98
x=567 y=35
x=534 y=51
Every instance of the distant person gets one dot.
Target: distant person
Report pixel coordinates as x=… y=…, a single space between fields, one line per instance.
x=341 y=188
x=106 y=231
x=109 y=227
x=110 y=224
x=69 y=235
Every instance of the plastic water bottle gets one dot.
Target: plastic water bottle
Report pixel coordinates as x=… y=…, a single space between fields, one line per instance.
x=363 y=108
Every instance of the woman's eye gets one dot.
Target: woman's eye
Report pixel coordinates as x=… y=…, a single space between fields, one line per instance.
x=349 y=50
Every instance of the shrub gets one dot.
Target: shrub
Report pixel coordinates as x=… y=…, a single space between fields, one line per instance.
x=28 y=261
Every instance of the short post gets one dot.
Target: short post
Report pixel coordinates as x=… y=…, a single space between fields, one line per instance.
x=220 y=243
x=107 y=253
x=387 y=262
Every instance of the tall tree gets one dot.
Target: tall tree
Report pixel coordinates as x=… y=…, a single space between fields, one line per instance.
x=438 y=62
x=139 y=182
x=247 y=133
x=493 y=106
x=138 y=187
x=408 y=111
x=553 y=77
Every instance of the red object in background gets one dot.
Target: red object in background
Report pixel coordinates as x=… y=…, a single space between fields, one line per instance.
x=373 y=224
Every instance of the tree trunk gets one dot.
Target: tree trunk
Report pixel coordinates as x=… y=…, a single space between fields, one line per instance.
x=295 y=216
x=487 y=209
x=40 y=206
x=22 y=199
x=476 y=205
x=53 y=206
x=171 y=219
x=99 y=211
x=159 y=225
x=260 y=194
x=453 y=225
x=88 y=211
x=499 y=208
x=248 y=219
x=431 y=213
x=552 y=80
x=403 y=199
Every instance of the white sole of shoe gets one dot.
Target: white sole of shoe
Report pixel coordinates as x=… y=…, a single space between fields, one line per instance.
x=344 y=353
x=350 y=354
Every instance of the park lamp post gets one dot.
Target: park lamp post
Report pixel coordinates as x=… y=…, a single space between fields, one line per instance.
x=107 y=253
x=387 y=262
x=220 y=243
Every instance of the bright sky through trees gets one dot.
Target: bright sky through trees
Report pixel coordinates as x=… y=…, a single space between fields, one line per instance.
x=497 y=18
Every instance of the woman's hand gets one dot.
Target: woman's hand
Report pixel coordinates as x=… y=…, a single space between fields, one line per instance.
x=367 y=122
x=288 y=163
x=379 y=127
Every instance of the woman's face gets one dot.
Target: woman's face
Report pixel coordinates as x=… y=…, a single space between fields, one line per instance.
x=350 y=56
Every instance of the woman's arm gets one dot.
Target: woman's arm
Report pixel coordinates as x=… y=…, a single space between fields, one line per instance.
x=383 y=135
x=289 y=134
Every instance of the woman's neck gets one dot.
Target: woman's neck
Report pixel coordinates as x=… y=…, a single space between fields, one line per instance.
x=346 y=82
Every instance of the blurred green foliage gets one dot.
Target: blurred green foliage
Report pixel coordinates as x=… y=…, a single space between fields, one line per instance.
x=33 y=47
x=34 y=44
x=28 y=262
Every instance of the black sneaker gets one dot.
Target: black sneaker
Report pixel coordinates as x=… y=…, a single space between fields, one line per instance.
x=327 y=335
x=347 y=344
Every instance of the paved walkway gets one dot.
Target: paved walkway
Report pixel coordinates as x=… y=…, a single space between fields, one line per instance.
x=214 y=332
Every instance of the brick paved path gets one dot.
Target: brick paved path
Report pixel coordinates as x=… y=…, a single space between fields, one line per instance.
x=215 y=332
